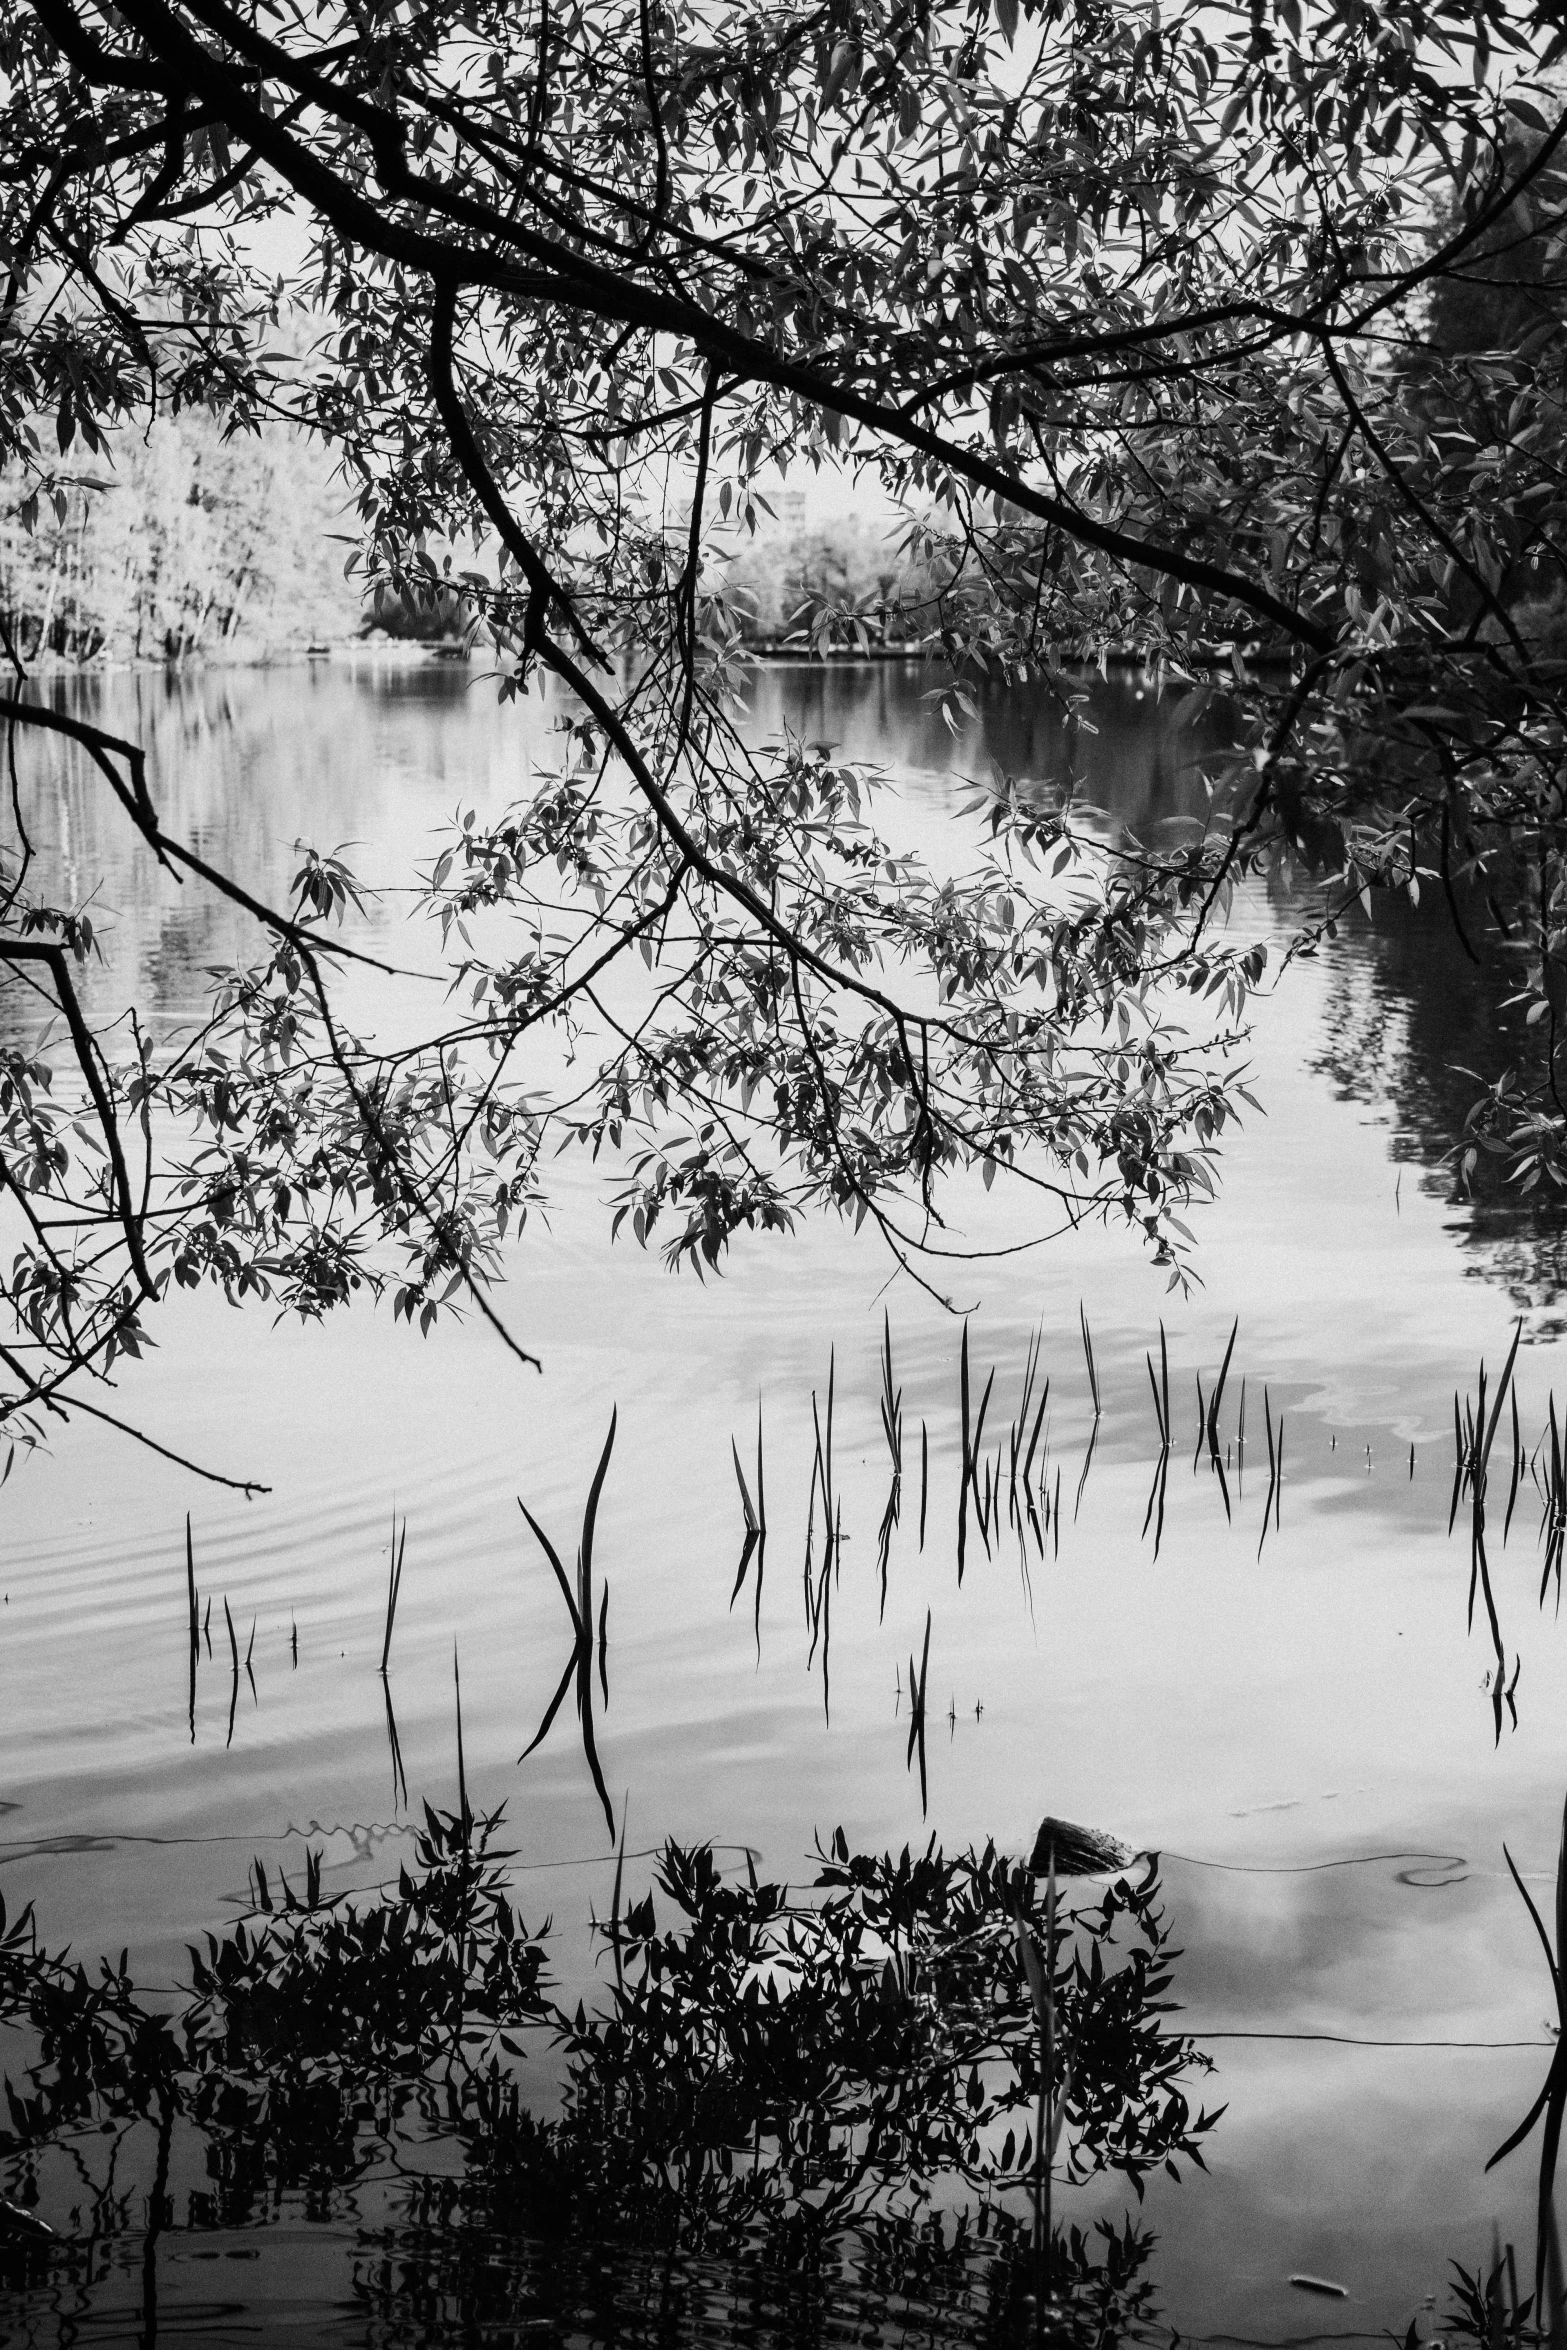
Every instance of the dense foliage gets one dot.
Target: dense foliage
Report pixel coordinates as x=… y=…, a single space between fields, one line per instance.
x=193 y=546
x=1146 y=325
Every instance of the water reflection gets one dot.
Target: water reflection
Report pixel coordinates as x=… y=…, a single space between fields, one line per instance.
x=246 y=763
x=842 y=2088
x=1415 y=1021
x=1320 y=1705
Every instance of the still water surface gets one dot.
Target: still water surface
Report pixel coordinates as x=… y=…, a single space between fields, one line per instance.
x=1306 y=1735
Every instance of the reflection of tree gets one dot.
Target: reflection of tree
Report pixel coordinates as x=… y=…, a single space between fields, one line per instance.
x=430 y=2272
x=246 y=760
x=1409 y=1019
x=838 y=2089
x=1128 y=747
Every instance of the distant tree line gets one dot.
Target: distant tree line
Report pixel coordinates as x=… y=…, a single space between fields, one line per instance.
x=188 y=545
x=195 y=546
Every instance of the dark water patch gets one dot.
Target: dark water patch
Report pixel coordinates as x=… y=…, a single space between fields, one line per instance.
x=818 y=2103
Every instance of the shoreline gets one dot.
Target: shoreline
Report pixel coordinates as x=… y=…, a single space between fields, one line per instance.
x=417 y=652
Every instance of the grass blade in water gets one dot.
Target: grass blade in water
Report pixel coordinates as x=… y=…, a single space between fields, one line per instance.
x=195 y=1633
x=399 y=1775
x=745 y=1491
x=234 y=1660
x=604 y=1646
x=761 y=1482
x=1217 y=1399
x=394 y=1584
x=979 y=1438
x=1552 y=2099
x=748 y=1546
x=1088 y=1462
x=918 y=1683
x=1088 y=1356
x=463 y=1812
x=967 y=1469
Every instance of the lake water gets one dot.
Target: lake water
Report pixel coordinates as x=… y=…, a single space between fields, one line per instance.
x=1304 y=1733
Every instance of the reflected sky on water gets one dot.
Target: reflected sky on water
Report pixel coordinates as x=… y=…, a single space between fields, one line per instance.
x=1307 y=1733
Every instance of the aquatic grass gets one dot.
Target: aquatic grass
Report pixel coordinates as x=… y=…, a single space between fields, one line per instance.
x=762 y=1535
x=833 y=1515
x=891 y=1401
x=1154 y=1511
x=1215 y=1405
x=963 y=1439
x=979 y=1438
x=464 y=1812
x=918 y=1684
x=1487 y=2308
x=755 y=1542
x=1216 y=1400
x=1202 y=1424
x=821 y=1619
x=394 y=1585
x=1553 y=1521
x=752 y=1521
x=614 y=1897
x=1088 y=1356
x=1158 y=1489
x=924 y=1477
x=195 y=1630
x=1271 y=1503
x=1093 y=1389
x=1088 y=1462
x=604 y=1645
x=579 y=1606
x=395 y=1746
x=1460 y=1463
x=822 y=1478
x=1161 y=1405
x=884 y=1534
x=1476 y=1436
x=1020 y=1426
x=287 y=1900
x=892 y=1428
x=1552 y=2100
x=972 y=1443
x=1035 y=1432
x=234 y=1657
